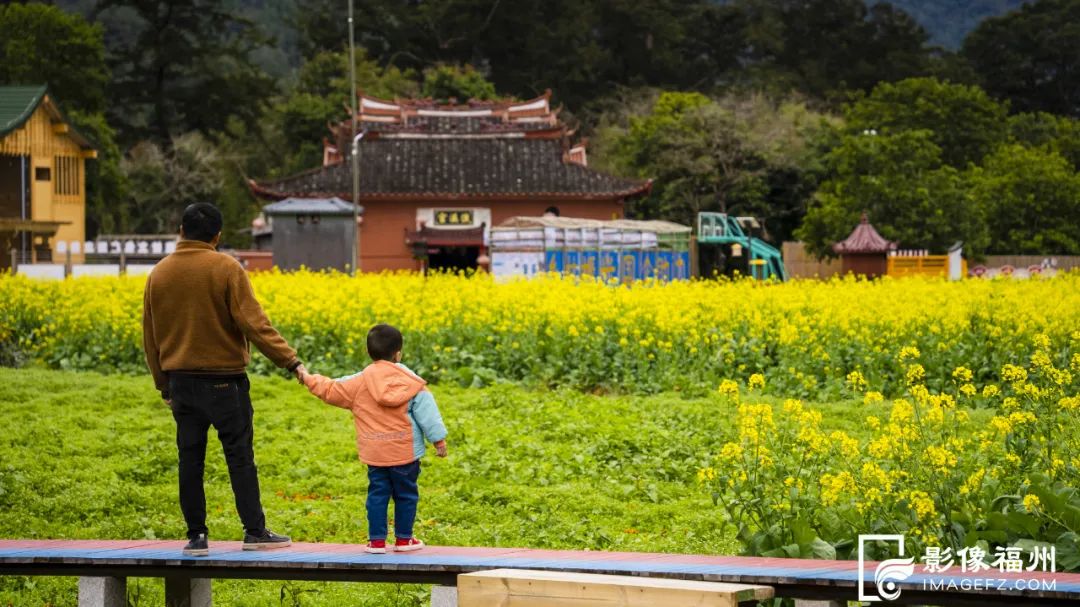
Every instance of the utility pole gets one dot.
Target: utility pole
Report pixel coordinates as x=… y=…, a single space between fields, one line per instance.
x=354 y=268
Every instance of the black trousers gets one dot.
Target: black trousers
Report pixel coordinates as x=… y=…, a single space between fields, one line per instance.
x=199 y=402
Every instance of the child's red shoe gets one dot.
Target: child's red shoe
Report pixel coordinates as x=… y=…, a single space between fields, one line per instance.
x=376 y=547
x=407 y=545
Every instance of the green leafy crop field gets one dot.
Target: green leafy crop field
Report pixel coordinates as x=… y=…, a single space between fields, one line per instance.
x=85 y=456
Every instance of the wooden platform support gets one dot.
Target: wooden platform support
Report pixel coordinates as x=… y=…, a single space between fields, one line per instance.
x=444 y=596
x=528 y=588
x=182 y=591
x=102 y=592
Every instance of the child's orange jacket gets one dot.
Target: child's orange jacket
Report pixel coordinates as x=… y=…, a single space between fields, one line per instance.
x=392 y=411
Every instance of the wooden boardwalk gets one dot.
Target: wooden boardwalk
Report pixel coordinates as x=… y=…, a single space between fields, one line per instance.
x=835 y=580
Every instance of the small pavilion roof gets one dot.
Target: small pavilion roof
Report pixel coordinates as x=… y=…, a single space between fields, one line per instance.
x=864 y=239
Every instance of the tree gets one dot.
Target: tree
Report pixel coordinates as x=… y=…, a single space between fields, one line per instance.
x=323 y=94
x=964 y=122
x=320 y=26
x=900 y=181
x=165 y=180
x=41 y=44
x=740 y=155
x=823 y=47
x=1059 y=134
x=1029 y=56
x=186 y=66
x=1031 y=200
x=577 y=48
x=460 y=83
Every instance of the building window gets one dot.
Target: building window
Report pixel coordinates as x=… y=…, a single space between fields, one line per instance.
x=68 y=182
x=42 y=173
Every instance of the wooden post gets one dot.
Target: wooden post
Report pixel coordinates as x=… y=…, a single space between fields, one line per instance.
x=102 y=592
x=14 y=260
x=695 y=263
x=444 y=596
x=187 y=592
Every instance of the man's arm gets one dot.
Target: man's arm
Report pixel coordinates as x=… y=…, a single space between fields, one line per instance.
x=150 y=347
x=251 y=319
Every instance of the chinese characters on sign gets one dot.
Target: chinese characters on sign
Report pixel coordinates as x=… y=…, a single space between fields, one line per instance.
x=453 y=217
x=1005 y=559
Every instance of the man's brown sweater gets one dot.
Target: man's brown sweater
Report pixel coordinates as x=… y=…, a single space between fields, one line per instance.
x=199 y=313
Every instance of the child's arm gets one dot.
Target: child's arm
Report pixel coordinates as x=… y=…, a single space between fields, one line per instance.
x=330 y=391
x=427 y=416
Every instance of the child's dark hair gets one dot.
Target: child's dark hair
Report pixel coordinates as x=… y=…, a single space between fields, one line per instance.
x=383 y=341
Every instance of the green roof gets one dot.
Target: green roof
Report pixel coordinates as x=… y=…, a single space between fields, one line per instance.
x=17 y=104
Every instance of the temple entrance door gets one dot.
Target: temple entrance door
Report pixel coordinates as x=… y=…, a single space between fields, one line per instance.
x=453 y=258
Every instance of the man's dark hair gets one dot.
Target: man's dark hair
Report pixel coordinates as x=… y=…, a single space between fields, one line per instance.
x=383 y=341
x=202 y=221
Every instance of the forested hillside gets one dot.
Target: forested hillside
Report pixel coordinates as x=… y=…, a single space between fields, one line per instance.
x=949 y=21
x=801 y=112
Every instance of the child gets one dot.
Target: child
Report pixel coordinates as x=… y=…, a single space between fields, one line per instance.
x=393 y=414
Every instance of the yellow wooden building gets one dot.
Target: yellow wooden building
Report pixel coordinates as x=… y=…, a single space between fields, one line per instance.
x=42 y=176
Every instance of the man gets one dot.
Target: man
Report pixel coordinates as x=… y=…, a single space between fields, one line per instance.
x=199 y=313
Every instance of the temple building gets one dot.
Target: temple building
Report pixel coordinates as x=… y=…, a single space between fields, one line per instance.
x=42 y=176
x=434 y=178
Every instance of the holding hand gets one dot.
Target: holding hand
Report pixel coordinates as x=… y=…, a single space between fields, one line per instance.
x=301 y=373
x=440 y=448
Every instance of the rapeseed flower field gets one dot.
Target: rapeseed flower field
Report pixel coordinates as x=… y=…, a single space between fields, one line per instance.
x=812 y=340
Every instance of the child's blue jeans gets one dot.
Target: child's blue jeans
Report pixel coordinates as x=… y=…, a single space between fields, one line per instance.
x=399 y=483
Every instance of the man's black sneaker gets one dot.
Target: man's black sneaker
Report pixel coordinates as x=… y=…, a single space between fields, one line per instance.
x=267 y=540
x=197 y=546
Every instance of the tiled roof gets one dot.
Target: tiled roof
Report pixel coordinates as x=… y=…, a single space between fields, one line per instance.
x=422 y=150
x=17 y=103
x=457 y=168
x=864 y=239
x=304 y=206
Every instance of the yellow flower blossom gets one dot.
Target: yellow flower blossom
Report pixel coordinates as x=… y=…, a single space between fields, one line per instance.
x=729 y=388
x=856 y=381
x=1013 y=373
x=962 y=374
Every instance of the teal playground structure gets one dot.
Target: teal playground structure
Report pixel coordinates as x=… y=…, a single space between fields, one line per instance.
x=763 y=261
